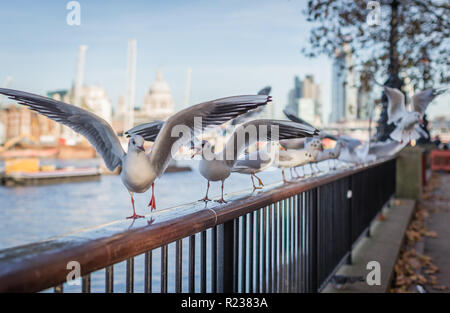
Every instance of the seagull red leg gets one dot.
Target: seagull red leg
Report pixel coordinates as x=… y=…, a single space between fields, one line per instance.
x=253 y=182
x=259 y=180
x=152 y=202
x=284 y=176
x=206 y=197
x=134 y=216
x=222 y=200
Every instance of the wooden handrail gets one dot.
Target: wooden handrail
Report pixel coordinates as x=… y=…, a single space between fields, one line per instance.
x=41 y=265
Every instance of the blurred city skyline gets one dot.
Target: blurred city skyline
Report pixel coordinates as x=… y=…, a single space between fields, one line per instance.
x=233 y=47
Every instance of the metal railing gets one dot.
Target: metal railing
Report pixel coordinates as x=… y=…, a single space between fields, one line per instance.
x=291 y=238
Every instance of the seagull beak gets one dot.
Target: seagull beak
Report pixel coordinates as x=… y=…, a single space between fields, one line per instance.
x=141 y=148
x=421 y=121
x=282 y=148
x=196 y=152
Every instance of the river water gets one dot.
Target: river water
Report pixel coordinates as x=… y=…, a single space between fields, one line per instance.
x=33 y=213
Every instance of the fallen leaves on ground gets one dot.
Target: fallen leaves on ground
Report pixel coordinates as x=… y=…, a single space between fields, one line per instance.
x=413 y=268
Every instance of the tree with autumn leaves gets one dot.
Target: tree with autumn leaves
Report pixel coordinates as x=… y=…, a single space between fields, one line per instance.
x=386 y=38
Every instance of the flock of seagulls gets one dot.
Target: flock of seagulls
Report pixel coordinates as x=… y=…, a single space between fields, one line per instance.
x=286 y=144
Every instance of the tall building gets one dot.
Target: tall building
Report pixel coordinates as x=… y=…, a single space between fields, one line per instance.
x=119 y=115
x=312 y=91
x=92 y=98
x=95 y=99
x=344 y=93
x=18 y=121
x=305 y=99
x=306 y=109
x=295 y=94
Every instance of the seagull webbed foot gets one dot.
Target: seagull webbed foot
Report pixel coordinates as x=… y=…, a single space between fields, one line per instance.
x=135 y=216
x=259 y=181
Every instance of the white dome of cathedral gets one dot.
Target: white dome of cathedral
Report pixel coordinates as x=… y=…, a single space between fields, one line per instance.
x=159 y=86
x=158 y=102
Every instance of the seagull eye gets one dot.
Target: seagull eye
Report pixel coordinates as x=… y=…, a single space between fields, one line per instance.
x=133 y=142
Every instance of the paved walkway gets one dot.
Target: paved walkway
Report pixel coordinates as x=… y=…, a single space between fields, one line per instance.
x=437 y=203
x=383 y=246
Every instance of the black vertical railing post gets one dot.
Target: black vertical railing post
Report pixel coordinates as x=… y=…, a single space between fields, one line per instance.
x=225 y=255
x=192 y=263
x=314 y=241
x=236 y=255
x=350 y=196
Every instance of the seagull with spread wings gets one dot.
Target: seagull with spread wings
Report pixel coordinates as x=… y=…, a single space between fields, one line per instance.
x=407 y=122
x=139 y=170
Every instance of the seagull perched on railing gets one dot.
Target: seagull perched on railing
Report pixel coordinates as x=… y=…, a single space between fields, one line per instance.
x=256 y=162
x=218 y=166
x=314 y=143
x=407 y=122
x=354 y=151
x=386 y=148
x=331 y=154
x=139 y=170
x=291 y=158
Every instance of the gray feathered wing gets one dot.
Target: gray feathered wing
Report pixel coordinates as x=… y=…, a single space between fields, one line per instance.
x=195 y=119
x=293 y=117
x=421 y=99
x=250 y=114
x=263 y=130
x=396 y=104
x=95 y=129
x=149 y=131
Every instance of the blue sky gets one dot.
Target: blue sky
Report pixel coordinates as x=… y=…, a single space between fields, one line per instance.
x=233 y=47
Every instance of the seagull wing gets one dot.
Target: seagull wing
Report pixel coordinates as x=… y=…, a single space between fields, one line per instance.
x=386 y=148
x=265 y=91
x=290 y=115
x=197 y=118
x=244 y=117
x=253 y=161
x=95 y=129
x=396 y=104
x=263 y=130
x=149 y=131
x=285 y=155
x=421 y=99
x=350 y=143
x=420 y=131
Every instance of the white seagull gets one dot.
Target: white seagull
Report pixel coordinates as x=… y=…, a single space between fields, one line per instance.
x=314 y=143
x=139 y=170
x=257 y=161
x=218 y=166
x=355 y=151
x=407 y=122
x=331 y=154
x=292 y=158
x=386 y=148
